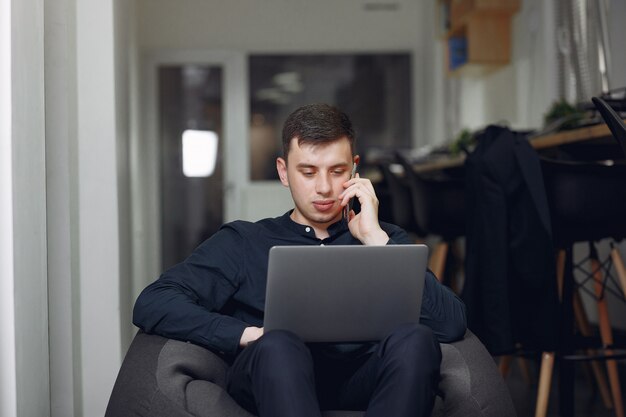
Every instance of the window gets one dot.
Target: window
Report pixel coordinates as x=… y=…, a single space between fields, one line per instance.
x=373 y=89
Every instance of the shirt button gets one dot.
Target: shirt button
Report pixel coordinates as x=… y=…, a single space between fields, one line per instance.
x=308 y=229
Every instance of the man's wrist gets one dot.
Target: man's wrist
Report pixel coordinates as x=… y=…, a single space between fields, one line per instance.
x=378 y=238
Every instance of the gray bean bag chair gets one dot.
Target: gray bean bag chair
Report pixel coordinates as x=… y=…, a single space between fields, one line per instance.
x=161 y=377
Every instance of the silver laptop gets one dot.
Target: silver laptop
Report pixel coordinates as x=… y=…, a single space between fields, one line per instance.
x=344 y=293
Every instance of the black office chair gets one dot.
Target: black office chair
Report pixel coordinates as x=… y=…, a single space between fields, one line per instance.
x=402 y=211
x=618 y=129
x=439 y=210
x=587 y=203
x=613 y=121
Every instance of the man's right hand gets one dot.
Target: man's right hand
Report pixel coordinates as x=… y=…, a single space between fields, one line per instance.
x=249 y=335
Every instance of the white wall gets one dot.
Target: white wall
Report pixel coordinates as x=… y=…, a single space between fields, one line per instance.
x=276 y=25
x=517 y=94
x=617 y=14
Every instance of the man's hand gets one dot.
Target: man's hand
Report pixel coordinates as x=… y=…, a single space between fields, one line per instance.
x=364 y=226
x=249 y=335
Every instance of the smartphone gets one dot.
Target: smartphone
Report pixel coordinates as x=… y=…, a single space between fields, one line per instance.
x=348 y=207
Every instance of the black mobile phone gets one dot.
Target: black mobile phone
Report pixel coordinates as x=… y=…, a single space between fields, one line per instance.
x=348 y=207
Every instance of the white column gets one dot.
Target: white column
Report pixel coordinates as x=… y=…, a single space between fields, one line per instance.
x=7 y=317
x=62 y=206
x=100 y=334
x=23 y=247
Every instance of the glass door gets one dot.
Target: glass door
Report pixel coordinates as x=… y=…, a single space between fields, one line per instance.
x=191 y=139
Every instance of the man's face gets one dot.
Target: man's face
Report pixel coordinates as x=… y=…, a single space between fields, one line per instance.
x=315 y=175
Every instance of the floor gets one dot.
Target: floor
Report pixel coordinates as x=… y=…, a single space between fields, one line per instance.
x=588 y=402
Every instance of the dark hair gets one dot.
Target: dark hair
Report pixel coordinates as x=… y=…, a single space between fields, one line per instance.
x=316 y=124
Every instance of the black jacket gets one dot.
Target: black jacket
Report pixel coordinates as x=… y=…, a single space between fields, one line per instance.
x=510 y=286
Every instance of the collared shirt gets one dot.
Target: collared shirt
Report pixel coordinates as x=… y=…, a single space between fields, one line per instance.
x=219 y=290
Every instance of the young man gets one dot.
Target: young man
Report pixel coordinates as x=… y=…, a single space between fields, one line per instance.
x=215 y=297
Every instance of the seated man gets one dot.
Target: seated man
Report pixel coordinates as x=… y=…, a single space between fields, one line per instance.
x=215 y=298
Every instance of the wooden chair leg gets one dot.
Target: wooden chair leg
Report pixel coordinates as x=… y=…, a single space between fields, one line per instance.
x=607 y=338
x=560 y=271
x=545 y=379
x=437 y=260
x=547 y=358
x=618 y=264
x=525 y=370
x=585 y=329
x=504 y=365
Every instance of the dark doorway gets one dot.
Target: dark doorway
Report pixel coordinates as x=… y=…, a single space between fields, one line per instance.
x=190 y=99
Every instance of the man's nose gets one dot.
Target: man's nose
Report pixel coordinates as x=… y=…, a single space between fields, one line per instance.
x=323 y=185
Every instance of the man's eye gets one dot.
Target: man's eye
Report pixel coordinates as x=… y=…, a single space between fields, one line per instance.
x=339 y=172
x=307 y=173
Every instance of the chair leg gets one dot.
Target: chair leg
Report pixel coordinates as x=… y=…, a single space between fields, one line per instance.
x=560 y=271
x=583 y=325
x=545 y=379
x=585 y=329
x=618 y=264
x=504 y=365
x=525 y=370
x=607 y=338
x=547 y=358
x=437 y=260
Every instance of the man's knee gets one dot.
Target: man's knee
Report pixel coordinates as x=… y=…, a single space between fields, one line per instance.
x=280 y=358
x=413 y=342
x=282 y=346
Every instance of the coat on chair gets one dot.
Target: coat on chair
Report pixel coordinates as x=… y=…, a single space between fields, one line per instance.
x=510 y=285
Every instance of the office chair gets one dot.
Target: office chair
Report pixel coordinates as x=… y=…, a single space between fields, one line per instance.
x=613 y=121
x=587 y=203
x=439 y=209
x=618 y=129
x=402 y=211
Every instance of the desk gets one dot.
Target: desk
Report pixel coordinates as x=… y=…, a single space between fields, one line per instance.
x=566 y=137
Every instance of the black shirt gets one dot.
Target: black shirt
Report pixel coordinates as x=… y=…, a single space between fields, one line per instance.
x=219 y=290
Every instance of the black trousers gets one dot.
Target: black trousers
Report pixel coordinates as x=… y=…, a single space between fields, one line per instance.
x=280 y=376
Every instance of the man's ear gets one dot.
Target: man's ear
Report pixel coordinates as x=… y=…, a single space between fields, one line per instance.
x=281 y=167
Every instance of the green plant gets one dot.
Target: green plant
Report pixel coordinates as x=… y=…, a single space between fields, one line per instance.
x=464 y=140
x=566 y=113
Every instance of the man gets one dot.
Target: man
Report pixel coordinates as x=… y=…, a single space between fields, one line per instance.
x=215 y=297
